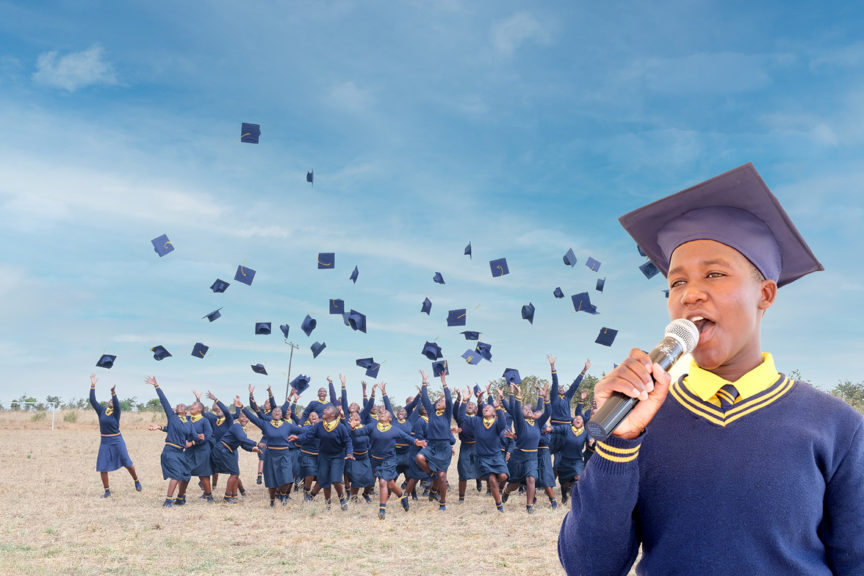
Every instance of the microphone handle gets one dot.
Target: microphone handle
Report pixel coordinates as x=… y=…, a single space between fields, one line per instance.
x=617 y=406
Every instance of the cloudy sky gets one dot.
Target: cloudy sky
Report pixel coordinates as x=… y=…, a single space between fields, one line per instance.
x=525 y=129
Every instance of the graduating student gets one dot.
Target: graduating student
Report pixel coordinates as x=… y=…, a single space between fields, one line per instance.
x=523 y=461
x=545 y=470
x=219 y=426
x=261 y=412
x=198 y=454
x=178 y=437
x=716 y=473
x=559 y=399
x=359 y=470
x=434 y=459
x=112 y=448
x=223 y=456
x=278 y=475
x=488 y=433
x=319 y=404
x=309 y=460
x=570 y=461
x=334 y=447
x=466 y=464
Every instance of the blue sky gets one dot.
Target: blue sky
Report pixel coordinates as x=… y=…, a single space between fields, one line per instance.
x=526 y=129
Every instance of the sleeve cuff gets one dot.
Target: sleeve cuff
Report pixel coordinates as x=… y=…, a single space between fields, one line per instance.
x=615 y=452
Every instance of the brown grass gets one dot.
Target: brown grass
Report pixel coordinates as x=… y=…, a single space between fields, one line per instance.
x=52 y=520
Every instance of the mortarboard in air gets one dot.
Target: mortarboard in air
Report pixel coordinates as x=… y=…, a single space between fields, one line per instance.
x=337 y=306
x=431 y=350
x=200 y=350
x=456 y=317
x=593 y=264
x=558 y=292
x=244 y=275
x=354 y=275
x=648 y=269
x=357 y=321
x=326 y=260
x=284 y=328
x=570 y=258
x=308 y=325
x=477 y=389
x=499 y=267
x=162 y=245
x=213 y=315
x=582 y=303
x=249 y=133
x=440 y=367
x=606 y=336
x=317 y=347
x=106 y=361
x=259 y=369
x=601 y=282
x=511 y=376
x=300 y=383
x=471 y=335
x=427 y=306
x=262 y=328
x=310 y=177
x=365 y=362
x=485 y=350
x=438 y=278
x=219 y=286
x=468 y=250
x=472 y=357
x=160 y=353
x=666 y=292
x=528 y=312
x=372 y=371
x=641 y=252
x=735 y=208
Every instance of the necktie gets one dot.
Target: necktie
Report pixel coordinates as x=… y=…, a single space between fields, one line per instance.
x=727 y=395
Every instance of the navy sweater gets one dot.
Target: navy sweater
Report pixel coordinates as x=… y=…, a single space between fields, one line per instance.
x=561 y=400
x=439 y=424
x=109 y=424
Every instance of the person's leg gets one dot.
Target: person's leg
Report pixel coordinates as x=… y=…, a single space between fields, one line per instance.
x=529 y=493
x=382 y=498
x=131 y=470
x=463 y=484
x=104 y=477
x=215 y=480
x=442 y=489
x=422 y=464
x=205 y=485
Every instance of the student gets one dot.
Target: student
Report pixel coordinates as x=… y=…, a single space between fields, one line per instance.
x=434 y=458
x=198 y=454
x=262 y=443
x=559 y=399
x=334 y=448
x=318 y=405
x=466 y=464
x=223 y=456
x=112 y=448
x=178 y=437
x=278 y=475
x=719 y=472
x=359 y=470
x=219 y=426
x=523 y=461
x=488 y=433
x=571 y=456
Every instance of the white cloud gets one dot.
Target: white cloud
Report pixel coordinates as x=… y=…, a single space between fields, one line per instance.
x=851 y=56
x=508 y=35
x=349 y=97
x=715 y=73
x=74 y=70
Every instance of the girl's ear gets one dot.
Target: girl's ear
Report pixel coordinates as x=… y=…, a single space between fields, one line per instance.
x=767 y=294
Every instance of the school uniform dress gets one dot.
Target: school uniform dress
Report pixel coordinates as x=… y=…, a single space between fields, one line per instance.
x=560 y=400
x=198 y=454
x=418 y=430
x=178 y=430
x=112 y=448
x=334 y=443
x=277 y=458
x=359 y=470
x=224 y=456
x=383 y=439
x=523 y=459
x=793 y=462
x=489 y=436
x=466 y=464
x=571 y=457
x=437 y=451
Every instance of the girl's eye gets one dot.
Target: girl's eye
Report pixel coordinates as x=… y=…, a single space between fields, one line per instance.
x=676 y=283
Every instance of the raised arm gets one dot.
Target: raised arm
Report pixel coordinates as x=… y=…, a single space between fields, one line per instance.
x=575 y=385
x=551 y=360
x=166 y=406
x=448 y=399
x=386 y=399
x=344 y=395
x=424 y=395
x=334 y=399
x=253 y=418
x=93 y=402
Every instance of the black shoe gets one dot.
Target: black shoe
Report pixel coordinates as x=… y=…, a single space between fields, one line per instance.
x=504 y=496
x=307 y=497
x=479 y=485
x=405 y=505
x=461 y=499
x=554 y=505
x=167 y=503
x=272 y=503
x=209 y=498
x=529 y=509
x=564 y=497
x=382 y=514
x=137 y=485
x=243 y=492
x=343 y=504
x=442 y=507
x=367 y=498
x=413 y=495
x=106 y=494
x=180 y=501
x=260 y=479
x=229 y=500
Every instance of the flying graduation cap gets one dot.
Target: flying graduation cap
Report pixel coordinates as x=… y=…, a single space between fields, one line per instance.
x=262 y=328
x=528 y=312
x=593 y=264
x=219 y=286
x=649 y=269
x=308 y=325
x=440 y=367
x=310 y=177
x=160 y=353
x=357 y=321
x=432 y=351
x=601 y=282
x=372 y=371
x=499 y=267
x=354 y=275
x=570 y=258
x=249 y=133
x=438 y=278
x=472 y=357
x=284 y=328
x=259 y=369
x=606 y=336
x=337 y=306
x=470 y=335
x=511 y=376
x=200 y=350
x=300 y=383
x=317 y=347
x=244 y=275
x=213 y=315
x=582 y=303
x=468 y=250
x=427 y=306
x=456 y=317
x=558 y=292
x=326 y=260
x=162 y=245
x=485 y=350
x=106 y=361
x=365 y=362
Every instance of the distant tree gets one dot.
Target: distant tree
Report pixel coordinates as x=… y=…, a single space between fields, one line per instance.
x=2 y=407
x=129 y=404
x=851 y=393
x=152 y=405
x=796 y=375
x=54 y=401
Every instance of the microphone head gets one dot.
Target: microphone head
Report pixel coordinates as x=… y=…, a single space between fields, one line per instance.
x=685 y=332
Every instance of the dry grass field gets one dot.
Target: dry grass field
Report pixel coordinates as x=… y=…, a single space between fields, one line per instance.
x=53 y=521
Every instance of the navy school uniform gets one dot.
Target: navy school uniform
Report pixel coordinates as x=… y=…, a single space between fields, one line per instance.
x=523 y=459
x=418 y=430
x=466 y=465
x=178 y=430
x=218 y=425
x=359 y=470
x=437 y=451
x=112 y=448
x=224 y=457
x=308 y=454
x=334 y=444
x=277 y=457
x=383 y=440
x=571 y=461
x=263 y=415
x=490 y=442
x=545 y=471
x=560 y=401
x=198 y=454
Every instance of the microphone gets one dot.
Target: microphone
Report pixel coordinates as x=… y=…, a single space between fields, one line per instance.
x=681 y=338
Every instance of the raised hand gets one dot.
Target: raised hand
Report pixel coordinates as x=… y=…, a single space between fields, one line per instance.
x=152 y=381
x=211 y=396
x=342 y=379
x=197 y=396
x=251 y=390
x=237 y=402
x=93 y=379
x=551 y=360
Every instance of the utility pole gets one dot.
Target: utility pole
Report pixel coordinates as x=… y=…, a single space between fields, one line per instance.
x=290 y=358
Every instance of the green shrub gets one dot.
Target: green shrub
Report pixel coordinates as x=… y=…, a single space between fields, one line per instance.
x=37 y=416
x=70 y=416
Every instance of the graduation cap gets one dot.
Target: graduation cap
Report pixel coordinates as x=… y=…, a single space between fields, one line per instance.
x=499 y=267
x=456 y=317
x=372 y=371
x=310 y=177
x=249 y=133
x=365 y=362
x=262 y=328
x=470 y=335
x=162 y=245
x=285 y=328
x=666 y=292
x=427 y=306
x=431 y=350
x=440 y=367
x=317 y=347
x=200 y=350
x=354 y=275
x=649 y=269
x=213 y=315
x=337 y=306
x=601 y=282
x=485 y=350
x=477 y=389
x=558 y=292
x=606 y=336
x=219 y=286
x=106 y=361
x=300 y=383
x=438 y=278
x=308 y=325
x=593 y=264
x=641 y=252
x=582 y=303
x=570 y=258
x=326 y=260
x=511 y=376
x=244 y=275
x=259 y=369
x=357 y=321
x=160 y=353
x=468 y=250
x=472 y=357
x=528 y=312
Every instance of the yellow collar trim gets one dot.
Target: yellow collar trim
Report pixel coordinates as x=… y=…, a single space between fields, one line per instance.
x=705 y=384
x=384 y=427
x=426 y=418
x=330 y=426
x=182 y=418
x=400 y=420
x=109 y=411
x=220 y=421
x=488 y=422
x=277 y=423
x=705 y=410
x=195 y=417
x=439 y=412
x=577 y=431
x=529 y=421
